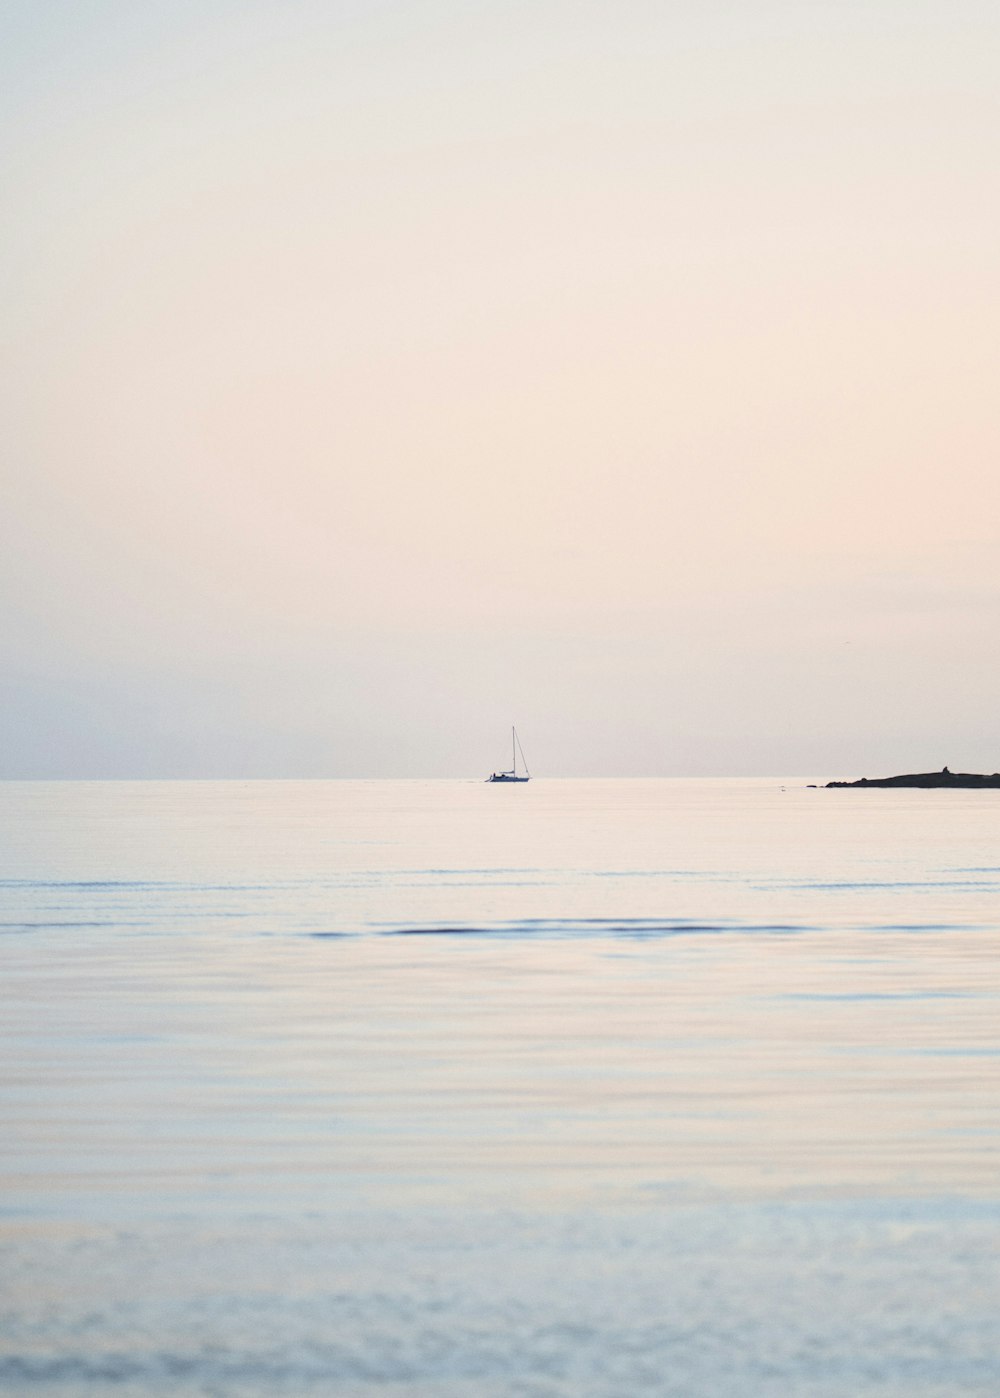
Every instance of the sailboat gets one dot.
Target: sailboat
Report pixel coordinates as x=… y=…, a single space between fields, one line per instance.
x=512 y=775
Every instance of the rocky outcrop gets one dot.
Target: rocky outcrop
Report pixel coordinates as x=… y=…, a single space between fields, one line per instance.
x=944 y=778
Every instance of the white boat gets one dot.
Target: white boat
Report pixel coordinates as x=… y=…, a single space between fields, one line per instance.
x=512 y=775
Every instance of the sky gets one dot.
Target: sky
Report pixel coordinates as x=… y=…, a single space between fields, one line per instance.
x=377 y=375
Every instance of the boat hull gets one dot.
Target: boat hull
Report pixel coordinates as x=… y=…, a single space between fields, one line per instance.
x=502 y=777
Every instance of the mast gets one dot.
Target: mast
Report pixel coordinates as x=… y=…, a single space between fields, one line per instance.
x=513 y=749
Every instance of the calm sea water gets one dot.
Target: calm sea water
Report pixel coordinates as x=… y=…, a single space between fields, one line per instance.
x=566 y=1090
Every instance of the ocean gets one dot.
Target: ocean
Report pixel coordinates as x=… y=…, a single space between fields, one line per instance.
x=572 y=1089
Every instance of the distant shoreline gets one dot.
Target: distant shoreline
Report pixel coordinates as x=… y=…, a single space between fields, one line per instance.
x=944 y=778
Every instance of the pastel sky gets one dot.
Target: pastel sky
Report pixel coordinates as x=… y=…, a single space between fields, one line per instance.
x=379 y=374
